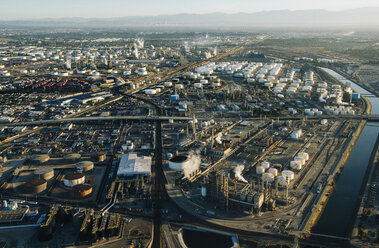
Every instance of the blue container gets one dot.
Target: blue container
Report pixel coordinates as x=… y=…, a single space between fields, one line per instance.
x=174 y=97
x=356 y=96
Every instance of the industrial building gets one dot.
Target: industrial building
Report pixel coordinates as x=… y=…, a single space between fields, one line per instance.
x=132 y=167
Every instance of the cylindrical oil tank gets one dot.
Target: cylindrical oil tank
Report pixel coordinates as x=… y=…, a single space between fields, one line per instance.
x=295 y=165
x=303 y=155
x=301 y=160
x=72 y=157
x=44 y=173
x=84 y=166
x=150 y=91
x=73 y=179
x=99 y=156
x=268 y=177
x=35 y=186
x=179 y=162
x=288 y=174
x=40 y=158
x=198 y=85
x=81 y=190
x=265 y=164
x=282 y=181
x=273 y=171
x=260 y=170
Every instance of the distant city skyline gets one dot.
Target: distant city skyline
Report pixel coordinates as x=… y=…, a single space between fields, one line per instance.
x=36 y=9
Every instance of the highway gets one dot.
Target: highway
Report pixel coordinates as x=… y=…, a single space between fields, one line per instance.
x=373 y=118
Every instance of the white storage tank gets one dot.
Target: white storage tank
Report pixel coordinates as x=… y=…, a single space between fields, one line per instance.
x=296 y=134
x=295 y=165
x=273 y=171
x=73 y=179
x=268 y=177
x=198 y=85
x=179 y=86
x=84 y=166
x=265 y=164
x=260 y=170
x=301 y=160
x=179 y=162
x=150 y=91
x=290 y=175
x=63 y=74
x=127 y=73
x=303 y=155
x=282 y=181
x=268 y=85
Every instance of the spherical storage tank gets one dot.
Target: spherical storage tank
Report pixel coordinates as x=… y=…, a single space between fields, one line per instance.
x=179 y=162
x=84 y=166
x=73 y=179
x=44 y=173
x=260 y=170
x=40 y=158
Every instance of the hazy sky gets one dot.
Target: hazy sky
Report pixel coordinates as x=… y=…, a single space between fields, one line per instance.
x=26 y=9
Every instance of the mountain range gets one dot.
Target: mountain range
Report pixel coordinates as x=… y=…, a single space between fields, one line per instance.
x=362 y=17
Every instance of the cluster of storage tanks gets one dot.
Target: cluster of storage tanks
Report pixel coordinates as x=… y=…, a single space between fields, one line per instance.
x=76 y=180
x=269 y=174
x=313 y=111
x=243 y=69
x=299 y=161
x=340 y=110
x=161 y=87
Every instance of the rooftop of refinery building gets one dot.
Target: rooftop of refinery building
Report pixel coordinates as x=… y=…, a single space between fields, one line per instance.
x=131 y=165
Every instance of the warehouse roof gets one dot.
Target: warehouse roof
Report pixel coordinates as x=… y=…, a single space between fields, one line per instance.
x=131 y=164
